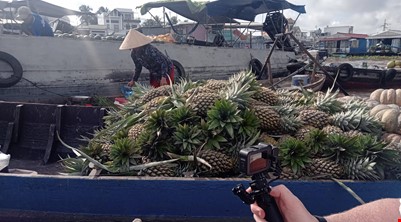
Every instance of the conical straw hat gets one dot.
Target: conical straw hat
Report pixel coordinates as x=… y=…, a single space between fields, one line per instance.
x=134 y=39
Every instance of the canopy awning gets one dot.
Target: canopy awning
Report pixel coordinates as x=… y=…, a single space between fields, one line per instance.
x=248 y=9
x=40 y=7
x=188 y=10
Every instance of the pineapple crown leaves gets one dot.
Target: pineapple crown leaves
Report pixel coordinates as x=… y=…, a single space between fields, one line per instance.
x=245 y=78
x=188 y=138
x=339 y=147
x=315 y=139
x=361 y=169
x=358 y=119
x=295 y=154
x=75 y=166
x=213 y=138
x=250 y=123
x=288 y=117
x=182 y=115
x=122 y=154
x=328 y=103
x=224 y=116
x=354 y=103
x=158 y=120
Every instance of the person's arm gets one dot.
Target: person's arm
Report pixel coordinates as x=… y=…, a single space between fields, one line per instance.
x=293 y=209
x=379 y=210
x=138 y=67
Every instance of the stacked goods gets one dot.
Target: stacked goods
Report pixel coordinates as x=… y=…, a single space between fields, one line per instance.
x=198 y=128
x=385 y=105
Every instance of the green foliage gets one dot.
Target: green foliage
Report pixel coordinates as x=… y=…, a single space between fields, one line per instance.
x=123 y=154
x=294 y=154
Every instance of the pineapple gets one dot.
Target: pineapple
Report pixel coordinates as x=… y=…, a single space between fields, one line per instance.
x=302 y=132
x=160 y=171
x=320 y=167
x=264 y=138
x=314 y=118
x=216 y=85
x=221 y=163
x=202 y=102
x=156 y=92
x=329 y=129
x=135 y=131
x=267 y=96
x=269 y=119
x=287 y=174
x=154 y=103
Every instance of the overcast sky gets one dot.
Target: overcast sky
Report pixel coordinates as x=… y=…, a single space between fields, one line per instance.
x=367 y=16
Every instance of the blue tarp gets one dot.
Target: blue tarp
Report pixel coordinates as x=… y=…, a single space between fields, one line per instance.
x=248 y=9
x=222 y=11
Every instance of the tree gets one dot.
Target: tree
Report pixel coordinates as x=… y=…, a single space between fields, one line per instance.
x=102 y=9
x=155 y=22
x=87 y=16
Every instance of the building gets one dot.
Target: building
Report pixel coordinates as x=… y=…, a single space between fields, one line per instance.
x=390 y=38
x=119 y=21
x=338 y=29
x=344 y=43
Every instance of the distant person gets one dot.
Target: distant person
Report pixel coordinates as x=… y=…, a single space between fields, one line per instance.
x=33 y=24
x=145 y=55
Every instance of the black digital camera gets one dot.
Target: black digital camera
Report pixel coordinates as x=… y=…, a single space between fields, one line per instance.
x=257 y=161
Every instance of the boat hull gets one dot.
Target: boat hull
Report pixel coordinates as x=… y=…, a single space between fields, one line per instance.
x=158 y=199
x=55 y=69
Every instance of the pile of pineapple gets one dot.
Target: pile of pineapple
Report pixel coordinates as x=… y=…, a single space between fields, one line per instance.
x=196 y=129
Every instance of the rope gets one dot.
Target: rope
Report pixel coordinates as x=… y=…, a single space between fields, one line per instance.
x=43 y=89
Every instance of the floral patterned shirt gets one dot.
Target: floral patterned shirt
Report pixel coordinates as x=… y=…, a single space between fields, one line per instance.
x=152 y=59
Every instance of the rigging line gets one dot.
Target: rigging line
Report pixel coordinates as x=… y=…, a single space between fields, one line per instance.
x=41 y=88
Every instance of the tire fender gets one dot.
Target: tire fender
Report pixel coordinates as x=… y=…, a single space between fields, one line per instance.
x=347 y=70
x=179 y=71
x=16 y=67
x=255 y=66
x=390 y=74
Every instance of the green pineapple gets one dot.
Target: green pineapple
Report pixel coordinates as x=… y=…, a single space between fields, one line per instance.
x=165 y=170
x=216 y=85
x=267 y=96
x=329 y=129
x=156 y=92
x=135 y=131
x=315 y=118
x=269 y=119
x=320 y=167
x=302 y=132
x=221 y=163
x=202 y=102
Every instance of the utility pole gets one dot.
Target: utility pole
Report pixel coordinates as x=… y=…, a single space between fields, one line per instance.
x=385 y=25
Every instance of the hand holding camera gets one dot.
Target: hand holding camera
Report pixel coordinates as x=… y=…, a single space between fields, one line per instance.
x=257 y=161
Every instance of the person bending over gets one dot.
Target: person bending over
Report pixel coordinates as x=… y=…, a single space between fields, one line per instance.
x=143 y=54
x=33 y=24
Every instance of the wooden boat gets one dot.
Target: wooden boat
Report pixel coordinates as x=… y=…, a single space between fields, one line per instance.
x=36 y=192
x=46 y=69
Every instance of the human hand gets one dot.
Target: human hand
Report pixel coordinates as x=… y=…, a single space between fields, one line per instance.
x=290 y=206
x=131 y=83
